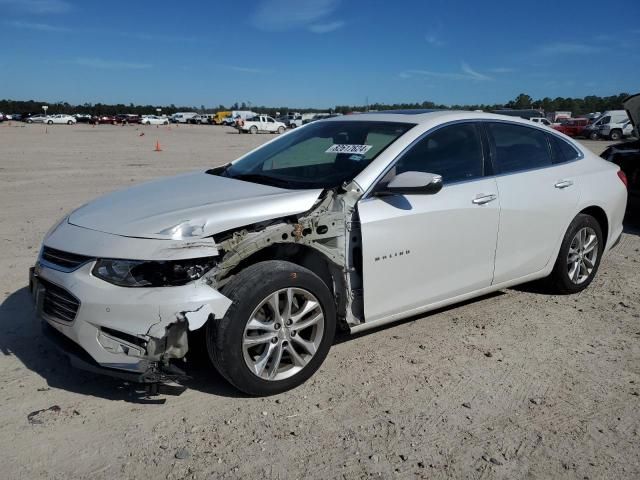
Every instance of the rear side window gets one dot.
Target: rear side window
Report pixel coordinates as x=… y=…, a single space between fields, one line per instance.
x=519 y=148
x=562 y=151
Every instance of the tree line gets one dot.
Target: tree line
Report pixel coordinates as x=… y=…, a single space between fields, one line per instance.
x=578 y=106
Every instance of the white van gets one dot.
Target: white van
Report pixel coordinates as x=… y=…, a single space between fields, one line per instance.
x=243 y=114
x=182 y=117
x=609 y=117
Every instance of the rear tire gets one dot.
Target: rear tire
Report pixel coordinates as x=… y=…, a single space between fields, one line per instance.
x=579 y=257
x=273 y=360
x=253 y=130
x=615 y=135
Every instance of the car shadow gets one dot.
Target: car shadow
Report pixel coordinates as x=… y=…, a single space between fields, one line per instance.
x=21 y=337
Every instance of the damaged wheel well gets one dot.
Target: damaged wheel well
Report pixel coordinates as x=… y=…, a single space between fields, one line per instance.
x=306 y=257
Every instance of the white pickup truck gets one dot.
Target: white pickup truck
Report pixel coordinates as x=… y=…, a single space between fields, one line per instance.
x=262 y=123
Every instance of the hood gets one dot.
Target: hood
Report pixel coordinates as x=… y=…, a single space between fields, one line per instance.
x=632 y=106
x=193 y=205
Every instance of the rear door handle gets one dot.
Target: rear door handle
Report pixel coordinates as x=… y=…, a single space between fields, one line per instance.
x=482 y=199
x=563 y=184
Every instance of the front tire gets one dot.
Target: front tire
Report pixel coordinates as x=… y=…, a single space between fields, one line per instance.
x=280 y=130
x=579 y=256
x=594 y=136
x=50 y=122
x=278 y=330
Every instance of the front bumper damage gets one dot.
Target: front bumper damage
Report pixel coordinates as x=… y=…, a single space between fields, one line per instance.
x=128 y=333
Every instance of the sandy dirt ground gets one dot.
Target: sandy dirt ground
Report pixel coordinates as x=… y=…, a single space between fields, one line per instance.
x=518 y=384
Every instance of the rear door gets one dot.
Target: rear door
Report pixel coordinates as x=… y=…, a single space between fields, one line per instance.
x=418 y=250
x=538 y=192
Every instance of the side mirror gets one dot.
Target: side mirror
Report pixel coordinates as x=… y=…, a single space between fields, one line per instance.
x=415 y=183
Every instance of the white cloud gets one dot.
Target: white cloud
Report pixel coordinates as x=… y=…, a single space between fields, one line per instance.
x=466 y=73
x=110 y=64
x=326 y=27
x=280 y=15
x=561 y=48
x=473 y=74
x=434 y=40
x=501 y=70
x=236 y=68
x=41 y=27
x=37 y=7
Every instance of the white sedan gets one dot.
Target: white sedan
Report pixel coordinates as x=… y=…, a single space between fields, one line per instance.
x=353 y=221
x=61 y=119
x=263 y=124
x=154 y=120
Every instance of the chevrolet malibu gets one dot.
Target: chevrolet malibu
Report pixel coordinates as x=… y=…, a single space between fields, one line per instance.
x=346 y=223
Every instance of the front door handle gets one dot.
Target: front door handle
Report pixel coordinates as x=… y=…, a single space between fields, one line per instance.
x=563 y=184
x=482 y=199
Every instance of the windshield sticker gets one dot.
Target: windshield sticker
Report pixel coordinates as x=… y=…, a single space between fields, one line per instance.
x=357 y=149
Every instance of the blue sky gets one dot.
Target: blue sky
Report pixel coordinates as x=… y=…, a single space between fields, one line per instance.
x=316 y=52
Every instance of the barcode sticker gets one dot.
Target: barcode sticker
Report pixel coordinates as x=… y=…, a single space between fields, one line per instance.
x=357 y=149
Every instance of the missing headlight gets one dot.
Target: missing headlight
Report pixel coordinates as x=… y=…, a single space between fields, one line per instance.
x=143 y=273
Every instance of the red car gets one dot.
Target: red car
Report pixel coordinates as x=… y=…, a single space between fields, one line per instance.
x=572 y=127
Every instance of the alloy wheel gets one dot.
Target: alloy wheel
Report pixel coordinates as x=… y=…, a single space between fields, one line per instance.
x=582 y=256
x=283 y=334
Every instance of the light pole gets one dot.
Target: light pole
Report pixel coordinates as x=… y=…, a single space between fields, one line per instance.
x=45 y=108
x=158 y=110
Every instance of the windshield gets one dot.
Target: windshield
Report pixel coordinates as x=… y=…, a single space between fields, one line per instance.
x=321 y=155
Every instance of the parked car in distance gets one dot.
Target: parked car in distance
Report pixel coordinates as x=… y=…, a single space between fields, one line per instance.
x=182 y=117
x=525 y=113
x=38 y=118
x=128 y=118
x=616 y=131
x=104 y=120
x=262 y=124
x=358 y=221
x=83 y=118
x=201 y=118
x=541 y=120
x=61 y=119
x=154 y=120
x=627 y=154
x=572 y=127
x=592 y=131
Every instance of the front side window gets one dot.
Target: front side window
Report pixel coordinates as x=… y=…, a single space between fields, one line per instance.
x=320 y=155
x=454 y=152
x=518 y=148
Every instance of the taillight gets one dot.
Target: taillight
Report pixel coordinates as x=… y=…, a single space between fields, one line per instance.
x=623 y=178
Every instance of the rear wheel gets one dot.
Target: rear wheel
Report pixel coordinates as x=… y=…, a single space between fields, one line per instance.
x=278 y=330
x=253 y=130
x=615 y=135
x=579 y=256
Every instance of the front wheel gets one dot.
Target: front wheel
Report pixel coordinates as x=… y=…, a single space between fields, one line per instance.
x=280 y=130
x=594 y=136
x=69 y=122
x=579 y=256
x=277 y=331
x=50 y=122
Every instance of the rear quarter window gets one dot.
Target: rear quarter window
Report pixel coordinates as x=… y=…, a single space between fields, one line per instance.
x=562 y=151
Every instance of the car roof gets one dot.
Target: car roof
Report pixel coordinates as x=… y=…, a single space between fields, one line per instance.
x=425 y=116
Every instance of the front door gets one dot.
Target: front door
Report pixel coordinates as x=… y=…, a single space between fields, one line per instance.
x=419 y=250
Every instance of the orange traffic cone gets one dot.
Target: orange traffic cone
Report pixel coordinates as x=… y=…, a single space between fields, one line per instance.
x=158 y=149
